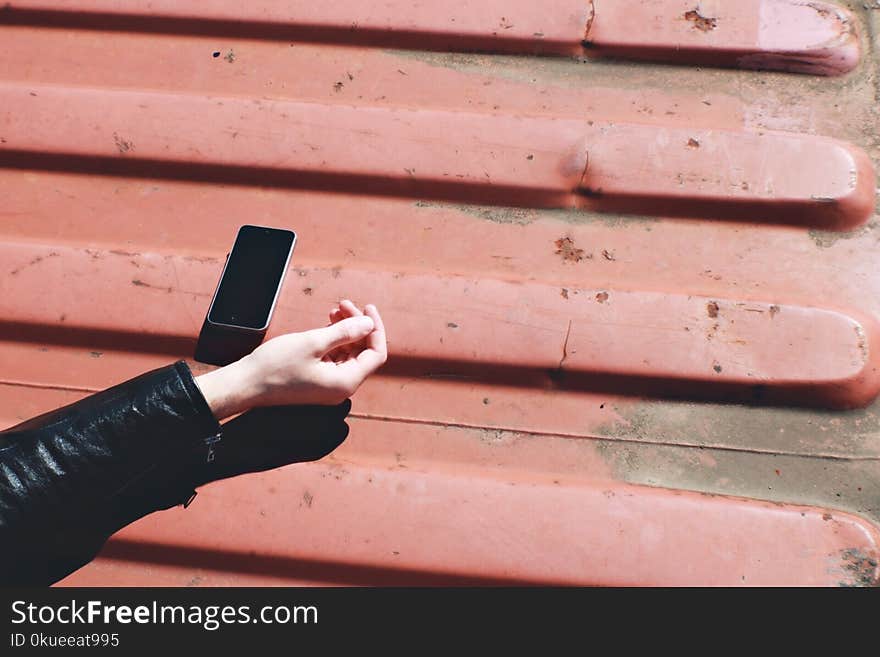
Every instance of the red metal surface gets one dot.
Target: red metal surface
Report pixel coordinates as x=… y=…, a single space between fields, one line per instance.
x=561 y=373
x=508 y=160
x=790 y=35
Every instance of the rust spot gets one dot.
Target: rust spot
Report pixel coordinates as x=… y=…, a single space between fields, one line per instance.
x=122 y=145
x=565 y=247
x=712 y=331
x=827 y=516
x=602 y=297
x=702 y=23
x=308 y=498
x=564 y=293
x=307 y=291
x=693 y=143
x=712 y=309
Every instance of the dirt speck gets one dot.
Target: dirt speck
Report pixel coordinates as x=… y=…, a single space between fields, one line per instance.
x=122 y=145
x=564 y=293
x=96 y=354
x=452 y=325
x=693 y=143
x=230 y=56
x=609 y=255
x=308 y=498
x=602 y=297
x=570 y=253
x=35 y=261
x=701 y=23
x=774 y=310
x=337 y=86
x=215 y=54
x=827 y=516
x=307 y=291
x=712 y=309
x=486 y=401
x=718 y=369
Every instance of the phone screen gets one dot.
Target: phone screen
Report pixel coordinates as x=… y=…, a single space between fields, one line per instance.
x=254 y=271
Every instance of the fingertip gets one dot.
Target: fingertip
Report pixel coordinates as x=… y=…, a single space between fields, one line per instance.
x=362 y=325
x=351 y=308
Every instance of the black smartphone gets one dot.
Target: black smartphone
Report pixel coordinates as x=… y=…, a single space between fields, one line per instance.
x=245 y=298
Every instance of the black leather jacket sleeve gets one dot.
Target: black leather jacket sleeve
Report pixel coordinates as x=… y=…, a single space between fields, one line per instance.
x=62 y=474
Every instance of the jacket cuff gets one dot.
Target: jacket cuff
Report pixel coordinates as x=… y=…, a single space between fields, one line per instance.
x=152 y=417
x=206 y=425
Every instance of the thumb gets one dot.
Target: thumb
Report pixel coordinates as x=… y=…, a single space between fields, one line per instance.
x=342 y=333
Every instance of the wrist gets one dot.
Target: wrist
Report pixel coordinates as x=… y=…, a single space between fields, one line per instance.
x=231 y=389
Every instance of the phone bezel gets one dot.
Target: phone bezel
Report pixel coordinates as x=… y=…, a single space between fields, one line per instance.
x=248 y=329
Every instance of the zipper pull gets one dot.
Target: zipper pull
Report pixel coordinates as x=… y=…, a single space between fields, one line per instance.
x=210 y=441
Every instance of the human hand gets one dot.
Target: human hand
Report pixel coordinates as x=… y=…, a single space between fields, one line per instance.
x=323 y=366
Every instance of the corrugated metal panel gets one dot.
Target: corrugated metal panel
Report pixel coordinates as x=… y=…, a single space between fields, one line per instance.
x=606 y=284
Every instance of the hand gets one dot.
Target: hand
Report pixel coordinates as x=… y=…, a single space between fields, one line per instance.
x=323 y=366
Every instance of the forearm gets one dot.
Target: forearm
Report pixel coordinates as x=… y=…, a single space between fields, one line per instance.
x=60 y=471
